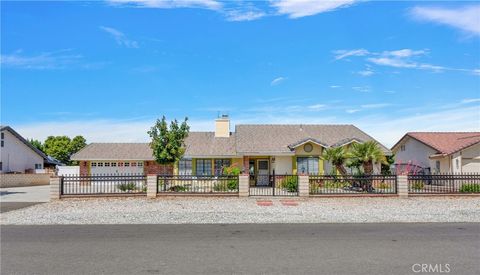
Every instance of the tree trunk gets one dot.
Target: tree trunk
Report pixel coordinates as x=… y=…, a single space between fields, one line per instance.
x=341 y=169
x=368 y=169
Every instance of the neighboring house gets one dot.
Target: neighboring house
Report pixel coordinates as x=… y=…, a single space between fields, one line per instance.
x=440 y=152
x=256 y=149
x=17 y=154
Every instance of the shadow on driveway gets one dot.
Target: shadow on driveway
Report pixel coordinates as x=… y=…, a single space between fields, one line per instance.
x=10 y=206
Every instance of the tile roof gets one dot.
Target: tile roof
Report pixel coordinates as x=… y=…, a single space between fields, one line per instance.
x=247 y=139
x=446 y=142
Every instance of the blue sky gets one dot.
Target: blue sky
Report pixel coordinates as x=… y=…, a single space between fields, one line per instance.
x=108 y=69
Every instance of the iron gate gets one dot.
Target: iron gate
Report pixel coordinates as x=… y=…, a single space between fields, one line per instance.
x=274 y=185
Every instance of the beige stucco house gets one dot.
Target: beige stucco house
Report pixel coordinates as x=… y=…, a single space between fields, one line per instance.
x=17 y=154
x=259 y=150
x=440 y=152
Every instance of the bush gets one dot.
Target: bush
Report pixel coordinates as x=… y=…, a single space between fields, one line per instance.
x=289 y=183
x=178 y=188
x=417 y=185
x=335 y=184
x=232 y=185
x=127 y=186
x=220 y=187
x=470 y=188
x=382 y=185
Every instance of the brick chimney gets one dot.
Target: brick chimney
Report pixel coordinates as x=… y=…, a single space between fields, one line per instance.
x=222 y=126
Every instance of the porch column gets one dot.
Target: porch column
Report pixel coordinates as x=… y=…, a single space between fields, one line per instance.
x=402 y=186
x=246 y=165
x=151 y=186
x=55 y=188
x=243 y=186
x=303 y=186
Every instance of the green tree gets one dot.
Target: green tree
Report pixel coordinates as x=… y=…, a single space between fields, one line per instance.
x=168 y=142
x=367 y=154
x=389 y=160
x=37 y=144
x=337 y=156
x=62 y=147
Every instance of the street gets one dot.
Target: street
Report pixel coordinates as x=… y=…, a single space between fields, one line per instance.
x=243 y=248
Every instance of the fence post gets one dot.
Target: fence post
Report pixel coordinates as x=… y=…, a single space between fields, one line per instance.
x=55 y=183
x=303 y=186
x=243 y=185
x=151 y=186
x=402 y=186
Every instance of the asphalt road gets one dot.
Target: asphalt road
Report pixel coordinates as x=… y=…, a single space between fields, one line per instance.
x=240 y=249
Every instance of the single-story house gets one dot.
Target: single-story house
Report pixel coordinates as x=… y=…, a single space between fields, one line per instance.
x=255 y=149
x=440 y=152
x=18 y=155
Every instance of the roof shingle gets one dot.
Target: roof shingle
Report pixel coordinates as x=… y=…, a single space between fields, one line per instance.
x=447 y=142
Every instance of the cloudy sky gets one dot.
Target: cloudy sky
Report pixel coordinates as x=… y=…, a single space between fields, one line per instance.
x=107 y=70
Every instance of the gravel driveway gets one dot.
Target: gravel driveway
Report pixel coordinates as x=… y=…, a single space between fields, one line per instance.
x=246 y=210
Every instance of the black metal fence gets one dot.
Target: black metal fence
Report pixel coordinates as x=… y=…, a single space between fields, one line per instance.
x=103 y=184
x=352 y=184
x=274 y=185
x=444 y=184
x=197 y=184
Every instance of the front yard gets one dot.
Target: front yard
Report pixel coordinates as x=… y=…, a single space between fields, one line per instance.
x=183 y=210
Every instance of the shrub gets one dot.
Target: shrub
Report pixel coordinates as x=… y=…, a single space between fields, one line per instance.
x=232 y=185
x=335 y=184
x=127 y=186
x=289 y=183
x=220 y=187
x=417 y=185
x=470 y=188
x=382 y=185
x=178 y=188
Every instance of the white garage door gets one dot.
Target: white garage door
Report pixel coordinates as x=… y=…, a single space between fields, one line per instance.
x=116 y=167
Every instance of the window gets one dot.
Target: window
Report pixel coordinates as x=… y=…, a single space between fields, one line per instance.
x=38 y=166
x=127 y=164
x=220 y=164
x=437 y=166
x=140 y=164
x=134 y=164
x=1 y=166
x=308 y=148
x=107 y=164
x=114 y=164
x=185 y=167
x=3 y=135
x=457 y=163
x=204 y=167
x=100 y=164
x=402 y=148
x=120 y=164
x=307 y=165
x=2 y=143
x=94 y=164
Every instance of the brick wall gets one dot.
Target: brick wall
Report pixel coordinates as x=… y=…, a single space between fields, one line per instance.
x=84 y=168
x=18 y=180
x=152 y=167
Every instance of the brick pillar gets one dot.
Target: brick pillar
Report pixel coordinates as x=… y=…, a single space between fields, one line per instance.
x=243 y=186
x=55 y=188
x=152 y=186
x=402 y=186
x=303 y=186
x=246 y=165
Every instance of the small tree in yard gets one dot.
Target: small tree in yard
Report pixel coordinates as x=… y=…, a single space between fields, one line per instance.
x=337 y=156
x=168 y=142
x=367 y=154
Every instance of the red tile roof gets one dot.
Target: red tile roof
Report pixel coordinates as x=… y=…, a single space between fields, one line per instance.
x=447 y=142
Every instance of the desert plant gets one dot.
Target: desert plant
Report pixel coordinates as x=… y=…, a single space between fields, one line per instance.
x=337 y=156
x=367 y=153
x=124 y=187
x=417 y=185
x=470 y=188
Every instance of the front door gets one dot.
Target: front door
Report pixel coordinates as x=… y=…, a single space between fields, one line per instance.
x=263 y=172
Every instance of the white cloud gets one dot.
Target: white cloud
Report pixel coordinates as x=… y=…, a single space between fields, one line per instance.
x=341 y=54
x=375 y=105
x=366 y=72
x=120 y=37
x=470 y=100
x=301 y=8
x=169 y=4
x=405 y=53
x=466 y=19
x=44 y=61
x=352 y=111
x=277 y=81
x=335 y=86
x=390 y=92
x=317 y=107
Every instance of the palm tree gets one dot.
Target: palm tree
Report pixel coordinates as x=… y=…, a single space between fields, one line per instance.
x=367 y=154
x=337 y=156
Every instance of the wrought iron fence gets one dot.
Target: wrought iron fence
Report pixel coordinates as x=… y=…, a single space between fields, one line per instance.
x=274 y=185
x=102 y=184
x=444 y=184
x=197 y=184
x=352 y=184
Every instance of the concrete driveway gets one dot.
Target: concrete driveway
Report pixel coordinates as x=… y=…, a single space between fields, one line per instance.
x=13 y=198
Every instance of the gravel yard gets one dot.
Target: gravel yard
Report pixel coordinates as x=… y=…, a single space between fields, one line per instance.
x=245 y=210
